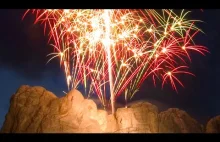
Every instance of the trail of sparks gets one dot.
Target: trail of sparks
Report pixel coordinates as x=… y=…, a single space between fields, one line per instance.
x=121 y=48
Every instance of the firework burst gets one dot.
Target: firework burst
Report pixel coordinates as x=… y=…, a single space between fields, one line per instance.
x=119 y=48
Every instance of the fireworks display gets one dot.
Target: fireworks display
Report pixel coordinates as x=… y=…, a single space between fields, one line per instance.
x=116 y=50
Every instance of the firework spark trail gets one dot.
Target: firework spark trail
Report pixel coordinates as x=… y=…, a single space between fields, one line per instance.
x=171 y=48
x=107 y=44
x=121 y=48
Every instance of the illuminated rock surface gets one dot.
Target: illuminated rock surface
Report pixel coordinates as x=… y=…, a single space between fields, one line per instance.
x=139 y=118
x=175 y=120
x=213 y=125
x=36 y=110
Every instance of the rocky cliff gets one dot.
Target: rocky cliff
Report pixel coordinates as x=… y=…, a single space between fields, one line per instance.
x=36 y=110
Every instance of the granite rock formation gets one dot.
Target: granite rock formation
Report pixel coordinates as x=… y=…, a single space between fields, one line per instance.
x=37 y=110
x=175 y=120
x=213 y=125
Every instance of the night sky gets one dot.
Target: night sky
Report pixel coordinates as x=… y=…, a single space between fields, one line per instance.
x=23 y=51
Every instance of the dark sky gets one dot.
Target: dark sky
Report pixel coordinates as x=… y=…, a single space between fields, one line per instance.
x=23 y=50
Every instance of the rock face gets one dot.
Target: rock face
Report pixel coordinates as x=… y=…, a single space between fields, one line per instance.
x=139 y=118
x=177 y=121
x=213 y=125
x=36 y=110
